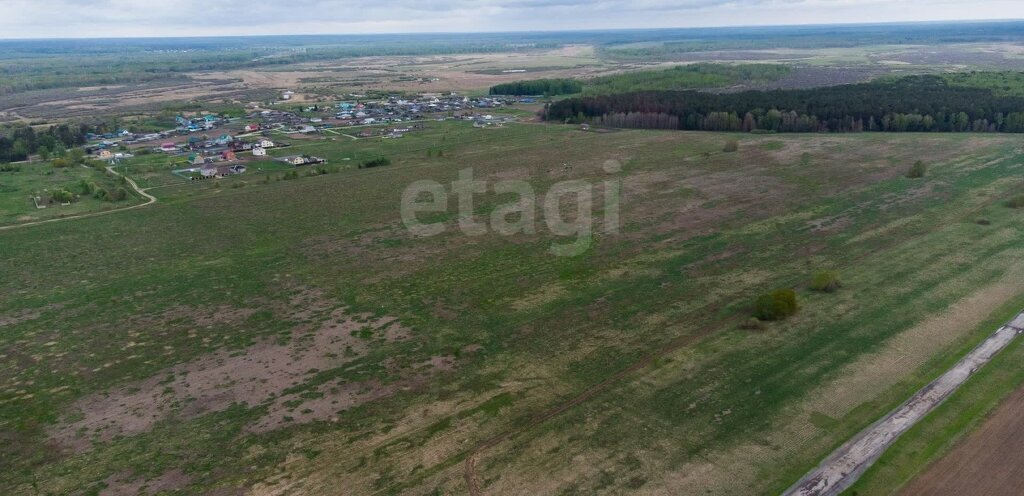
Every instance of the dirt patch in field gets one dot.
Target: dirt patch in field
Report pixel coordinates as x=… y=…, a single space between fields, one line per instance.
x=254 y=376
x=990 y=461
x=123 y=484
x=25 y=315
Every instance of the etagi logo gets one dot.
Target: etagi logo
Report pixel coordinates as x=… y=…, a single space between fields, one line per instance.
x=519 y=216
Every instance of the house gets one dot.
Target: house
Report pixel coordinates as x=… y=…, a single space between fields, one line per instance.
x=287 y=95
x=259 y=152
x=196 y=159
x=227 y=155
x=265 y=143
x=252 y=128
x=168 y=147
x=240 y=146
x=298 y=160
x=210 y=170
x=105 y=155
x=294 y=160
x=224 y=139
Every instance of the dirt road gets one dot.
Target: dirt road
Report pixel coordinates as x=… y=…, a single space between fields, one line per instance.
x=841 y=469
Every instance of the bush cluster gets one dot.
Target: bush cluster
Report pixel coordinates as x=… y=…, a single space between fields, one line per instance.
x=826 y=281
x=918 y=170
x=777 y=305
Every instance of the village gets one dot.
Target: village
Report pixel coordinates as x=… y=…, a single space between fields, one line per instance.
x=214 y=145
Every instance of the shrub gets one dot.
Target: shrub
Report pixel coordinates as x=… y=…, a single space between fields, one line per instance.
x=10 y=168
x=60 y=163
x=120 y=194
x=76 y=155
x=826 y=281
x=983 y=222
x=87 y=187
x=1016 y=202
x=918 y=170
x=731 y=146
x=777 y=305
x=378 y=162
x=63 y=196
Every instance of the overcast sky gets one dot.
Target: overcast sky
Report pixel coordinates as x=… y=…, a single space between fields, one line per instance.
x=120 y=18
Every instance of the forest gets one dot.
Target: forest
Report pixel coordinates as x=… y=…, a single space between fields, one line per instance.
x=910 y=104
x=692 y=76
x=18 y=142
x=546 y=87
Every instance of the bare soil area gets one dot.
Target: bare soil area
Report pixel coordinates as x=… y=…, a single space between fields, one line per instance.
x=258 y=375
x=989 y=461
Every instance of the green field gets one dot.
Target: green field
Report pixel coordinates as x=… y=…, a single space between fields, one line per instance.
x=292 y=335
x=18 y=188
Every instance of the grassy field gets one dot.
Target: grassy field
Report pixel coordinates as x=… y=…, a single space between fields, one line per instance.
x=19 y=186
x=291 y=337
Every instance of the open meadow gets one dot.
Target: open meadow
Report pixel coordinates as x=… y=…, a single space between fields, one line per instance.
x=288 y=335
x=32 y=192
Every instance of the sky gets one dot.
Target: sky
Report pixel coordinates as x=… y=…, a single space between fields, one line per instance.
x=131 y=18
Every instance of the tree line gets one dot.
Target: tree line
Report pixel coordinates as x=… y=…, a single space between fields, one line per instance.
x=537 y=87
x=19 y=142
x=911 y=104
x=692 y=76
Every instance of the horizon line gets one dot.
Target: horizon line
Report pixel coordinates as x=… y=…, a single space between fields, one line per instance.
x=539 y=31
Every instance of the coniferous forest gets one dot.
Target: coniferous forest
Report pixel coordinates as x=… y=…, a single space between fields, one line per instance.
x=910 y=104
